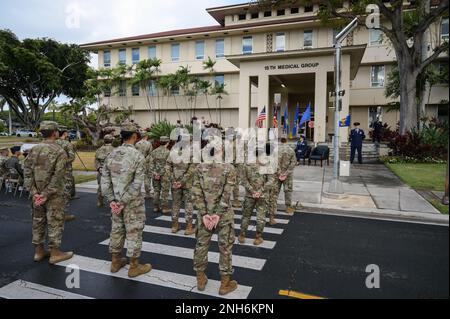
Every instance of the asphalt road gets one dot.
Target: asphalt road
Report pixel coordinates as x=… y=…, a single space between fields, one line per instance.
x=313 y=254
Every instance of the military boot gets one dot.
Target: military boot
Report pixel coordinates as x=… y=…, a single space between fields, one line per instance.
x=69 y=218
x=227 y=285
x=117 y=263
x=242 y=238
x=259 y=240
x=40 y=253
x=202 y=281
x=189 y=229
x=290 y=211
x=166 y=211
x=156 y=209
x=175 y=226
x=137 y=269
x=237 y=203
x=272 y=221
x=57 y=256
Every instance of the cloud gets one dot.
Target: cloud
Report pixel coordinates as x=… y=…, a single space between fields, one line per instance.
x=82 y=21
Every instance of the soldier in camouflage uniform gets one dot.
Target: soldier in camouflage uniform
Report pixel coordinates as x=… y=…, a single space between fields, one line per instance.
x=156 y=163
x=286 y=165
x=44 y=171
x=145 y=147
x=212 y=190
x=4 y=152
x=64 y=142
x=122 y=179
x=100 y=158
x=259 y=186
x=179 y=174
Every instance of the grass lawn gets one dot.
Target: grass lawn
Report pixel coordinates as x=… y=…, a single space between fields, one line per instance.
x=10 y=141
x=84 y=179
x=88 y=159
x=421 y=176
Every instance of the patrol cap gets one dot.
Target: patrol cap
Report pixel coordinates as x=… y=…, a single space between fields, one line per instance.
x=49 y=126
x=164 y=139
x=15 y=149
x=357 y=124
x=129 y=128
x=108 y=138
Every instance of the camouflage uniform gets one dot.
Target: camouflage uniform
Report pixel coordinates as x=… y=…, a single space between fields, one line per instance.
x=156 y=163
x=212 y=190
x=145 y=147
x=3 y=169
x=254 y=182
x=122 y=179
x=70 y=180
x=45 y=174
x=286 y=165
x=178 y=171
x=100 y=158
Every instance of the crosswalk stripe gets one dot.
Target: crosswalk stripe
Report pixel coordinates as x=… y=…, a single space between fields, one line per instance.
x=267 y=244
x=155 y=277
x=187 y=253
x=268 y=230
x=21 y=289
x=237 y=216
x=240 y=210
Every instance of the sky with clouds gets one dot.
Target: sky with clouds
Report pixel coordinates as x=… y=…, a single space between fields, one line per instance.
x=82 y=21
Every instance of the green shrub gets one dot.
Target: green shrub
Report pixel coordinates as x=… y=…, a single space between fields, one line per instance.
x=163 y=128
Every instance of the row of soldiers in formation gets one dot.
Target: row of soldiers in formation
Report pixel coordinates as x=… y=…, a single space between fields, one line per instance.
x=207 y=187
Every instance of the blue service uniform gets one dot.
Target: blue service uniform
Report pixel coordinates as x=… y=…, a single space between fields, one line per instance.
x=301 y=150
x=357 y=137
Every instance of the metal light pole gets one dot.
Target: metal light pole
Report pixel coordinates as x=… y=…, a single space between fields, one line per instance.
x=336 y=187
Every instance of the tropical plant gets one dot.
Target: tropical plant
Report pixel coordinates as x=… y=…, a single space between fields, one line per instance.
x=163 y=128
x=219 y=91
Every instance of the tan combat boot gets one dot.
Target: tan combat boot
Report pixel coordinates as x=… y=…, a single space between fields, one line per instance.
x=290 y=211
x=57 y=256
x=189 y=229
x=237 y=204
x=272 y=221
x=175 y=226
x=69 y=218
x=166 y=211
x=40 y=253
x=117 y=263
x=227 y=285
x=259 y=240
x=241 y=238
x=137 y=269
x=202 y=281
x=156 y=209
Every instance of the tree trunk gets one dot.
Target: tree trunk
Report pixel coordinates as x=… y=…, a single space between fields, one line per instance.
x=408 y=100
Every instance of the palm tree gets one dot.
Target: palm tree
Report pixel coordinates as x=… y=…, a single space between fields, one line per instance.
x=143 y=74
x=219 y=91
x=209 y=66
x=204 y=87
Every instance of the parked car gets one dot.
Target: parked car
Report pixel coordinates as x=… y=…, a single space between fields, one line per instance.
x=73 y=135
x=26 y=133
x=4 y=134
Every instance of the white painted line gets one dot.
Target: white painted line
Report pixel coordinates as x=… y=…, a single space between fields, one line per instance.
x=240 y=210
x=237 y=216
x=187 y=253
x=268 y=230
x=167 y=231
x=156 y=277
x=26 y=290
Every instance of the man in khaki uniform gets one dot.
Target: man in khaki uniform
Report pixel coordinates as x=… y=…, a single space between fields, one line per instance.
x=45 y=173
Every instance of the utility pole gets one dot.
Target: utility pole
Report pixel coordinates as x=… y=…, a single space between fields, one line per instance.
x=336 y=187
x=10 y=121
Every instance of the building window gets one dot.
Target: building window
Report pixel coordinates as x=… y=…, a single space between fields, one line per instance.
x=200 y=50
x=281 y=12
x=267 y=14
x=107 y=92
x=220 y=48
x=135 y=89
x=309 y=8
x=375 y=113
x=294 y=10
x=107 y=59
x=247 y=45
x=281 y=42
x=308 y=39
x=152 y=52
x=122 y=88
x=444 y=30
x=219 y=80
x=377 y=76
x=152 y=88
x=136 y=55
x=242 y=17
x=175 y=52
x=255 y=15
x=376 y=37
x=123 y=56
x=175 y=90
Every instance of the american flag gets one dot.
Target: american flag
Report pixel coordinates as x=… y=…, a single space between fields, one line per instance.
x=261 y=118
x=275 y=118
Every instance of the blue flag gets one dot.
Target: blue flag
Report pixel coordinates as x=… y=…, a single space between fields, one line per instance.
x=297 y=117
x=306 y=116
x=286 y=120
x=346 y=122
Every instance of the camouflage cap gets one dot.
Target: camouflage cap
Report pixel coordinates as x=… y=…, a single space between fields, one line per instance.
x=165 y=139
x=130 y=127
x=49 y=126
x=108 y=138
